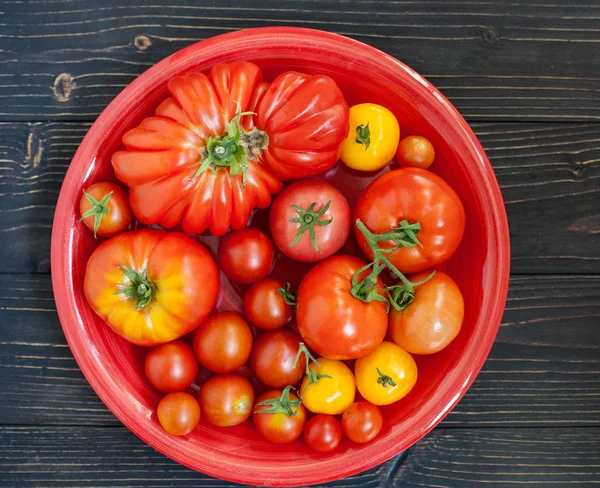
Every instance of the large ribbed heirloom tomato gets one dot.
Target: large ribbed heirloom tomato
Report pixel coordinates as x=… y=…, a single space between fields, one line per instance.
x=220 y=145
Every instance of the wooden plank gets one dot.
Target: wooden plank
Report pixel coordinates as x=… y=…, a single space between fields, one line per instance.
x=495 y=60
x=548 y=174
x=40 y=457
x=542 y=371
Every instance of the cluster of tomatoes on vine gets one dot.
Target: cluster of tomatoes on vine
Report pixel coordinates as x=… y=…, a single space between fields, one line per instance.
x=216 y=149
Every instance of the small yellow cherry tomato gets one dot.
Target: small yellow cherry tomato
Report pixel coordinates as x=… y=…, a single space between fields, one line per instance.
x=372 y=139
x=386 y=375
x=329 y=395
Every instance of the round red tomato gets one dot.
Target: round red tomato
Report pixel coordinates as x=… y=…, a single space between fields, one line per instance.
x=223 y=342
x=226 y=399
x=362 y=422
x=104 y=209
x=417 y=196
x=266 y=304
x=433 y=319
x=310 y=220
x=331 y=321
x=171 y=367
x=323 y=433
x=273 y=356
x=281 y=416
x=178 y=413
x=246 y=255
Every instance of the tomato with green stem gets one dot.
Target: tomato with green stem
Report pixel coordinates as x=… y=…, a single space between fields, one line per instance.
x=171 y=367
x=274 y=358
x=328 y=388
x=310 y=220
x=104 y=209
x=362 y=422
x=269 y=304
x=323 y=433
x=279 y=416
x=178 y=413
x=226 y=399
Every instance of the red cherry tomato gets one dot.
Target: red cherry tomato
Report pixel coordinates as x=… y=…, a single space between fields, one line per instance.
x=310 y=220
x=331 y=321
x=323 y=433
x=272 y=358
x=417 y=196
x=415 y=151
x=265 y=305
x=171 y=367
x=226 y=399
x=246 y=255
x=280 y=427
x=223 y=342
x=178 y=413
x=104 y=208
x=362 y=422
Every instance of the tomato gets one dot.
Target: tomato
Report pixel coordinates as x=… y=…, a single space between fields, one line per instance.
x=386 y=375
x=171 y=367
x=330 y=320
x=323 y=433
x=151 y=286
x=333 y=392
x=433 y=319
x=226 y=399
x=417 y=196
x=273 y=357
x=223 y=342
x=362 y=422
x=279 y=416
x=178 y=413
x=267 y=304
x=104 y=209
x=372 y=138
x=415 y=151
x=310 y=220
x=306 y=119
x=246 y=255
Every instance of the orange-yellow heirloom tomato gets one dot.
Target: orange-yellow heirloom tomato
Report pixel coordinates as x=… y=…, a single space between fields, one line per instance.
x=151 y=286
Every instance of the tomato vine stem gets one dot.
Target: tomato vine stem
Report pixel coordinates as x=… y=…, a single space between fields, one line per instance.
x=309 y=373
x=288 y=297
x=308 y=218
x=284 y=404
x=99 y=209
x=141 y=289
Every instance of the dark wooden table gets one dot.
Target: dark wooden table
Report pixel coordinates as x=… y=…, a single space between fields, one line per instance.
x=525 y=74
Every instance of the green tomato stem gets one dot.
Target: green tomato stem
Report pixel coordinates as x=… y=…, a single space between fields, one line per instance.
x=99 y=209
x=308 y=218
x=284 y=404
x=141 y=289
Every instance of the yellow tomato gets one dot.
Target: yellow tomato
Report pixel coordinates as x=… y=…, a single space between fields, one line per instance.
x=329 y=395
x=372 y=139
x=386 y=375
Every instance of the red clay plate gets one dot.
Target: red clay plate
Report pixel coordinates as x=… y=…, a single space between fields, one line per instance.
x=480 y=266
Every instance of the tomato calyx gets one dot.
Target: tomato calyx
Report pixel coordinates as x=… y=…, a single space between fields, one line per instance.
x=288 y=297
x=385 y=380
x=141 y=289
x=309 y=373
x=308 y=218
x=234 y=148
x=363 y=135
x=284 y=404
x=99 y=209
x=366 y=290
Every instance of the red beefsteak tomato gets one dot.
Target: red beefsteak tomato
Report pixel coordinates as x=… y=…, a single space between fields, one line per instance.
x=151 y=286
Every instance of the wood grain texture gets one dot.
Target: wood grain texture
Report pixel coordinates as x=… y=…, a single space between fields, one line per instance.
x=542 y=371
x=69 y=457
x=549 y=176
x=496 y=60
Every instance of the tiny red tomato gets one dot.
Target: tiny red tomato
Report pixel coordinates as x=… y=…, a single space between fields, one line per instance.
x=223 y=342
x=171 y=367
x=267 y=304
x=104 y=208
x=323 y=433
x=362 y=422
x=272 y=358
x=279 y=416
x=415 y=151
x=178 y=413
x=310 y=220
x=226 y=399
x=246 y=255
